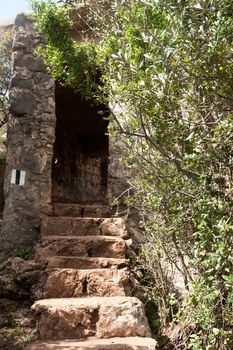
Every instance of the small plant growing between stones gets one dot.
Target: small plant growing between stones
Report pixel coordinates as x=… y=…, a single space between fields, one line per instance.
x=27 y=252
x=2 y=259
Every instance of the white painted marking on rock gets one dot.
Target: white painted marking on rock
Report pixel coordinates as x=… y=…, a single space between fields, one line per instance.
x=18 y=177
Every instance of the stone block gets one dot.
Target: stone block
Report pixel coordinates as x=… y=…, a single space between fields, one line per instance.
x=31 y=63
x=103 y=317
x=23 y=23
x=79 y=210
x=85 y=263
x=84 y=226
x=87 y=246
x=22 y=103
x=21 y=83
x=67 y=283
x=23 y=41
x=93 y=343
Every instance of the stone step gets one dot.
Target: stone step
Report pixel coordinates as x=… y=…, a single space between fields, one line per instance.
x=96 y=210
x=103 y=317
x=83 y=226
x=67 y=283
x=84 y=263
x=88 y=246
x=92 y=343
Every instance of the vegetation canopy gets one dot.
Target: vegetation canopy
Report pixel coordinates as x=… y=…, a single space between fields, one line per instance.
x=166 y=69
x=5 y=73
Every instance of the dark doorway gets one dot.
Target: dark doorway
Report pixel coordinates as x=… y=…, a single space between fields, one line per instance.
x=80 y=161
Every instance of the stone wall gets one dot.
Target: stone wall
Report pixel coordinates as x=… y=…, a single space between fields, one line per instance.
x=85 y=184
x=31 y=133
x=31 y=153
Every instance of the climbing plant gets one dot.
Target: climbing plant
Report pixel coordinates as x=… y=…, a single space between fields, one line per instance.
x=5 y=73
x=69 y=62
x=166 y=68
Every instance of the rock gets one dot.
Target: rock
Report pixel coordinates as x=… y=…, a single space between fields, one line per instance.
x=16 y=323
x=87 y=246
x=84 y=226
x=30 y=63
x=79 y=210
x=114 y=227
x=123 y=319
x=22 y=41
x=21 y=82
x=23 y=22
x=20 y=279
x=127 y=343
x=10 y=289
x=66 y=283
x=85 y=263
x=104 y=317
x=22 y=103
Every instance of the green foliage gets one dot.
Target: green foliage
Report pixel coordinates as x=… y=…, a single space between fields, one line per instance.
x=69 y=62
x=170 y=70
x=2 y=259
x=167 y=67
x=28 y=251
x=5 y=72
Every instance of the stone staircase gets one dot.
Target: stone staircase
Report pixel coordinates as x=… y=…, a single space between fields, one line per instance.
x=87 y=303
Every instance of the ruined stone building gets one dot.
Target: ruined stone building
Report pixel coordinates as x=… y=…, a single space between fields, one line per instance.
x=62 y=172
x=58 y=149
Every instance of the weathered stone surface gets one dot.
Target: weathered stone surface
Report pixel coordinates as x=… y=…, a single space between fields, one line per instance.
x=83 y=317
x=21 y=82
x=19 y=231
x=22 y=103
x=87 y=246
x=67 y=283
x=113 y=227
x=84 y=226
x=21 y=279
x=12 y=314
x=24 y=23
x=93 y=343
x=97 y=210
x=123 y=319
x=30 y=63
x=30 y=142
x=22 y=41
x=85 y=263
